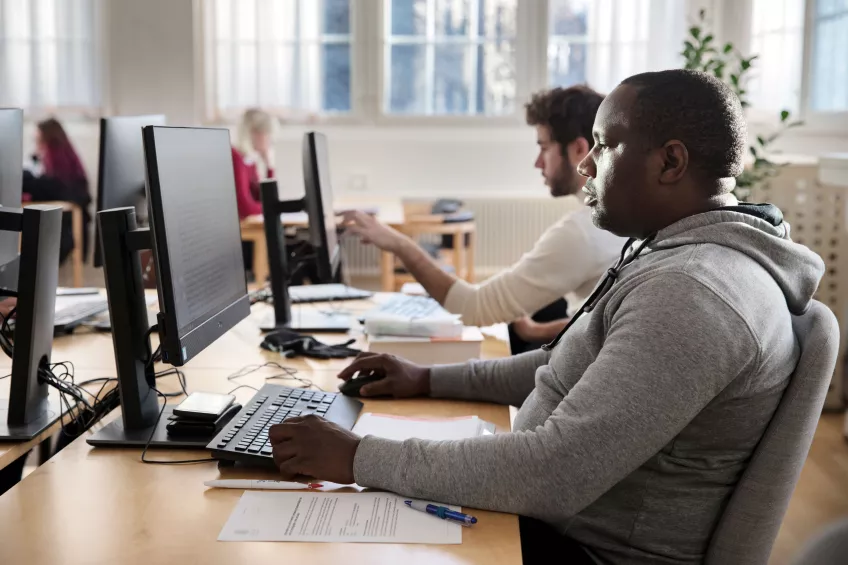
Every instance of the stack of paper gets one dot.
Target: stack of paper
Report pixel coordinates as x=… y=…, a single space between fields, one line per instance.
x=323 y=517
x=425 y=350
x=401 y=428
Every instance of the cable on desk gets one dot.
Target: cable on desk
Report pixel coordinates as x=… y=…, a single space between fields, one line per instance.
x=153 y=432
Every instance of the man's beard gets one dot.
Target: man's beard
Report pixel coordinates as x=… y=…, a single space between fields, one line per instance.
x=567 y=182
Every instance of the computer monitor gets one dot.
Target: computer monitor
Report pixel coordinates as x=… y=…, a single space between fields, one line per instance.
x=32 y=277
x=197 y=237
x=196 y=241
x=319 y=207
x=120 y=176
x=11 y=182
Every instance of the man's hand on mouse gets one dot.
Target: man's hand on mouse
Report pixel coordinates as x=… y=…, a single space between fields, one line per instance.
x=315 y=447
x=402 y=378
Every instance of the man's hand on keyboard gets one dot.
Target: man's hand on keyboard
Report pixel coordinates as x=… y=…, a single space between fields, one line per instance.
x=315 y=447
x=401 y=378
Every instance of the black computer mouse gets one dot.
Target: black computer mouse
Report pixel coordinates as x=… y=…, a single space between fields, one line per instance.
x=352 y=386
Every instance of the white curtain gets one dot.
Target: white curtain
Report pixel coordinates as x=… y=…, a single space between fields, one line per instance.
x=48 y=54
x=282 y=55
x=602 y=42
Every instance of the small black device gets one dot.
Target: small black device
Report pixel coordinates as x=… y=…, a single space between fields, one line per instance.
x=202 y=293
x=352 y=386
x=245 y=437
x=318 y=203
x=187 y=427
x=120 y=171
x=204 y=406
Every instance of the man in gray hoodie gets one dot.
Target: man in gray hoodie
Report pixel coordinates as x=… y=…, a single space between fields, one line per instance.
x=638 y=421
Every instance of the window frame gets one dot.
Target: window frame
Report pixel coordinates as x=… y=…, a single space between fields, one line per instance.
x=85 y=113
x=816 y=123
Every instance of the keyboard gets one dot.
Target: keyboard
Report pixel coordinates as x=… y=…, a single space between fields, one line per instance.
x=326 y=293
x=406 y=306
x=314 y=293
x=71 y=310
x=245 y=437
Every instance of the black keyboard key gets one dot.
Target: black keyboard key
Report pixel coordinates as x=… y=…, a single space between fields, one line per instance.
x=327 y=400
x=241 y=447
x=253 y=449
x=267 y=451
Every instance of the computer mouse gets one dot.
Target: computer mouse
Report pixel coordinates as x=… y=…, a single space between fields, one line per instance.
x=352 y=386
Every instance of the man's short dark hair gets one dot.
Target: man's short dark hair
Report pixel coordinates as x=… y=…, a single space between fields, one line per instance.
x=697 y=109
x=569 y=112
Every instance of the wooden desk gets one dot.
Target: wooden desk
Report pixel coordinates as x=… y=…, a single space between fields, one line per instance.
x=389 y=211
x=77 y=229
x=98 y=506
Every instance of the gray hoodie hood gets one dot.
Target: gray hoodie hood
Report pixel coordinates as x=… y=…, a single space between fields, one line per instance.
x=758 y=231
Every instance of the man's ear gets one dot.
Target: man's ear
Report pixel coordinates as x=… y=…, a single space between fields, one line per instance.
x=675 y=161
x=577 y=150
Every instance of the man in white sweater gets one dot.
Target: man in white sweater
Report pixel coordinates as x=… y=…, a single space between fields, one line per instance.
x=566 y=261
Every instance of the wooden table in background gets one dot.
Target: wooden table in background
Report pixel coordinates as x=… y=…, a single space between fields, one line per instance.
x=103 y=506
x=388 y=210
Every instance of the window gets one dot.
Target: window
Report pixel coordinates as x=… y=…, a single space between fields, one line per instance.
x=777 y=37
x=602 y=42
x=450 y=57
x=282 y=55
x=829 y=69
x=47 y=54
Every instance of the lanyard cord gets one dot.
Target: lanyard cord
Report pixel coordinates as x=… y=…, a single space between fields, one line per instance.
x=604 y=286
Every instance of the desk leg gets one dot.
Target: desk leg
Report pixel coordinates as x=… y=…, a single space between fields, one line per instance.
x=387 y=271
x=459 y=255
x=76 y=226
x=260 y=260
x=469 y=255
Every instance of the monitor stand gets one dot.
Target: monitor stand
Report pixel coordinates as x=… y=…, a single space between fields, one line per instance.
x=114 y=434
x=121 y=242
x=49 y=411
x=282 y=265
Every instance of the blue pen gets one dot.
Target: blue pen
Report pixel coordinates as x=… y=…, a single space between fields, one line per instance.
x=442 y=512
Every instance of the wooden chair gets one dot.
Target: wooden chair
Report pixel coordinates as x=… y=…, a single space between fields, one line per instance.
x=419 y=221
x=77 y=229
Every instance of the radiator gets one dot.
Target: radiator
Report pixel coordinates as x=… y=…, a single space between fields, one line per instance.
x=506 y=229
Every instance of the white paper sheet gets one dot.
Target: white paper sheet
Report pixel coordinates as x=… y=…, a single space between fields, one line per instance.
x=326 y=517
x=401 y=428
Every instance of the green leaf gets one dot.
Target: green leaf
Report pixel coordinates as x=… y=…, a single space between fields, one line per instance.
x=708 y=39
x=695 y=32
x=702 y=14
x=753 y=151
x=795 y=124
x=761 y=141
x=688 y=44
x=728 y=47
x=784 y=115
x=744 y=103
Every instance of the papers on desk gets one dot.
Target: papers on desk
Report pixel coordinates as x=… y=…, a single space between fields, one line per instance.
x=401 y=428
x=324 y=517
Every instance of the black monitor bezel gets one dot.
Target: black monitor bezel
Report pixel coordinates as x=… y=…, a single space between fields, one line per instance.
x=176 y=349
x=144 y=120
x=327 y=267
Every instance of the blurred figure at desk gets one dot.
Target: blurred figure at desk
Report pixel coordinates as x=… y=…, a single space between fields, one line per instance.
x=58 y=175
x=565 y=262
x=252 y=162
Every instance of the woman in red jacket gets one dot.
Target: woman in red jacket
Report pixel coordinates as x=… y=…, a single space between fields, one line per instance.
x=252 y=160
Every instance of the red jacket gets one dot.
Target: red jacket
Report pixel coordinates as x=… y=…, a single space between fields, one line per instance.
x=247 y=186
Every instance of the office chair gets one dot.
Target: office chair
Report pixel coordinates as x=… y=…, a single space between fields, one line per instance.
x=748 y=527
x=830 y=547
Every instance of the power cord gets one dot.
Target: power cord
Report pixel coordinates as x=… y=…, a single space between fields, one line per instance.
x=287 y=373
x=153 y=432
